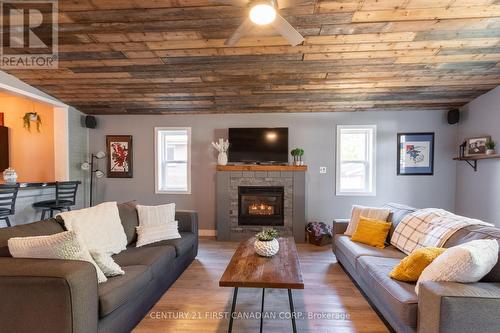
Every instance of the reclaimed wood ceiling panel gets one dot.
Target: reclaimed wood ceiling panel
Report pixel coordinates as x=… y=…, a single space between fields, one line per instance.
x=168 y=56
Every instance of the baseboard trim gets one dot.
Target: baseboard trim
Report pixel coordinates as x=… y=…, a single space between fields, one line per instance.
x=207 y=233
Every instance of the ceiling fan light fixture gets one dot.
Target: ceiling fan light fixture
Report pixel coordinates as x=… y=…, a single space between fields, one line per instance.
x=262 y=13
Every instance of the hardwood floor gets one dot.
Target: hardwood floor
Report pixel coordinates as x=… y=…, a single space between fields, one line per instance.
x=195 y=302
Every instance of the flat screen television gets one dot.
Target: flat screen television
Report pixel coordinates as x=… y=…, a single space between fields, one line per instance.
x=258 y=145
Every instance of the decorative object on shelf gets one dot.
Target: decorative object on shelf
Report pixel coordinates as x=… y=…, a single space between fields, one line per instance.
x=477 y=146
x=90 y=166
x=461 y=149
x=222 y=147
x=266 y=243
x=415 y=154
x=30 y=117
x=490 y=147
x=10 y=176
x=119 y=148
x=297 y=154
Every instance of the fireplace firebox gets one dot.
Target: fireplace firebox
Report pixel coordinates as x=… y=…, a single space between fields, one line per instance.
x=262 y=205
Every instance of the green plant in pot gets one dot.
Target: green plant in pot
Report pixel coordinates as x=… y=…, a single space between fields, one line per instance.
x=32 y=117
x=297 y=154
x=266 y=243
x=490 y=147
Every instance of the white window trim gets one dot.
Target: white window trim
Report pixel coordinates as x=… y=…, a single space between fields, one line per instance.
x=157 y=189
x=373 y=153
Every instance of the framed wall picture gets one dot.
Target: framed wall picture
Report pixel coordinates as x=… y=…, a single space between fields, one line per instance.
x=119 y=149
x=415 y=154
x=477 y=146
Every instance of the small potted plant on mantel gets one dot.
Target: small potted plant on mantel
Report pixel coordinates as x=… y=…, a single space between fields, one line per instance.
x=297 y=154
x=490 y=147
x=266 y=243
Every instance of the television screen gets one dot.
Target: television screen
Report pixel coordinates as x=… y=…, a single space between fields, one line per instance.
x=254 y=145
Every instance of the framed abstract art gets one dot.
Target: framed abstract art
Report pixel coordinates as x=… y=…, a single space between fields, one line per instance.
x=119 y=152
x=416 y=154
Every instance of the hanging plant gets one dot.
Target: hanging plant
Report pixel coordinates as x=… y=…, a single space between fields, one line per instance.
x=32 y=116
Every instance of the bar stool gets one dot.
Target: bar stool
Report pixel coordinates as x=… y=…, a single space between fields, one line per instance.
x=65 y=198
x=8 y=196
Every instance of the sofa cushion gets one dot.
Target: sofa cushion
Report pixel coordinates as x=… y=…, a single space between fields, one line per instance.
x=120 y=289
x=474 y=232
x=182 y=245
x=398 y=212
x=130 y=220
x=40 y=228
x=159 y=258
x=397 y=297
x=353 y=250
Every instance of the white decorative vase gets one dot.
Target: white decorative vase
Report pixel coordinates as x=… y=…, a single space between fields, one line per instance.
x=266 y=248
x=222 y=158
x=490 y=151
x=10 y=175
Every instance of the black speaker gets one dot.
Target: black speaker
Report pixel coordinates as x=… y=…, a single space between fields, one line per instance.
x=453 y=116
x=90 y=122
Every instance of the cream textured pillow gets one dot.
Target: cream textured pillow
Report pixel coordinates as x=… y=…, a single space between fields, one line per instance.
x=64 y=245
x=468 y=262
x=380 y=214
x=156 y=223
x=100 y=227
x=106 y=263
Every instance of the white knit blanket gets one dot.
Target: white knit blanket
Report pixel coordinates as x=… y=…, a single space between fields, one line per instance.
x=428 y=227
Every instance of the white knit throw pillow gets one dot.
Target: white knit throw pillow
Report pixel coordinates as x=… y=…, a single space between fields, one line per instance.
x=466 y=263
x=64 y=245
x=156 y=223
x=380 y=214
x=106 y=263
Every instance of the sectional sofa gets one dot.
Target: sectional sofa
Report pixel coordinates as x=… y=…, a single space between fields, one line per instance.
x=62 y=296
x=440 y=307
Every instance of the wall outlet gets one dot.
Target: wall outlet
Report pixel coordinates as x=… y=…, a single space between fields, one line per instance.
x=322 y=169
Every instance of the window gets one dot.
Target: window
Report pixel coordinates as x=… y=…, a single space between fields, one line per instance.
x=355 y=160
x=173 y=159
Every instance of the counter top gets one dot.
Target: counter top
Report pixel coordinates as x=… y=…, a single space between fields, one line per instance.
x=33 y=184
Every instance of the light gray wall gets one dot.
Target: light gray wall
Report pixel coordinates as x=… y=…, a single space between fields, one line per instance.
x=478 y=192
x=315 y=132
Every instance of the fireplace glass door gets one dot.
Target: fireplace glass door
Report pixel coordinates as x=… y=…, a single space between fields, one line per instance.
x=261 y=206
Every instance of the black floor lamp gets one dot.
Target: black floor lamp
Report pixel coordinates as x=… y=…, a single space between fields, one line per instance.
x=89 y=166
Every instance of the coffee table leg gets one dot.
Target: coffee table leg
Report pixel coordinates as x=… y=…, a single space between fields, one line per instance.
x=233 y=307
x=292 y=311
x=262 y=309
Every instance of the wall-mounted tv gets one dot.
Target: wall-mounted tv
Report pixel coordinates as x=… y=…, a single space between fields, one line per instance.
x=258 y=145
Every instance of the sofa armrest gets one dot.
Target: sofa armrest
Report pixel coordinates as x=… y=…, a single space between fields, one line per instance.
x=44 y=295
x=449 y=307
x=339 y=227
x=188 y=220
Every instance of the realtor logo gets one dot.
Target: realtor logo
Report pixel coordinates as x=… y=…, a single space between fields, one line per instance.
x=29 y=34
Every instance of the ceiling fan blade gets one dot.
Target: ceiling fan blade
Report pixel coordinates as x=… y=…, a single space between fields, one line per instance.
x=241 y=31
x=290 y=3
x=237 y=3
x=286 y=30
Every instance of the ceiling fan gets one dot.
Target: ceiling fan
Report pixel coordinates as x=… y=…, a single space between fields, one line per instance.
x=264 y=12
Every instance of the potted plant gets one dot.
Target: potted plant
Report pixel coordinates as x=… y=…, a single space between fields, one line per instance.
x=266 y=244
x=490 y=147
x=32 y=116
x=222 y=147
x=297 y=154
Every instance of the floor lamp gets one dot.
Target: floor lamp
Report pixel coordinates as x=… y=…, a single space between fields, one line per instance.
x=89 y=166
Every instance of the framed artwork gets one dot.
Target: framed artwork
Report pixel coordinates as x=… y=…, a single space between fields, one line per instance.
x=119 y=151
x=477 y=146
x=415 y=154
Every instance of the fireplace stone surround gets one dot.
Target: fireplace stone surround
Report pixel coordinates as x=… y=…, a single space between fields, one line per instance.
x=230 y=178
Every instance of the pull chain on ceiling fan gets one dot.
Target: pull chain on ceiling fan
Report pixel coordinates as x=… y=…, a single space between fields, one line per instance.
x=264 y=12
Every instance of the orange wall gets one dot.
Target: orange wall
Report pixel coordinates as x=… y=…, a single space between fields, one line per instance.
x=31 y=153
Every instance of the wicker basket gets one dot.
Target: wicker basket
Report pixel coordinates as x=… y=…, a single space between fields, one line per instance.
x=319 y=241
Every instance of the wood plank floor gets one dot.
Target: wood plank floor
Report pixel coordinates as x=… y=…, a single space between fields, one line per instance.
x=195 y=303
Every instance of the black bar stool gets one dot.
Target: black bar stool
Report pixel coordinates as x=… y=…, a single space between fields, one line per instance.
x=8 y=196
x=65 y=198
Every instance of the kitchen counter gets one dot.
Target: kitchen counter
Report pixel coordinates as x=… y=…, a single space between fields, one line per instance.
x=24 y=185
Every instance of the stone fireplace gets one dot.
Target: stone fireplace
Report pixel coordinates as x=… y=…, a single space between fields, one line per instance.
x=250 y=198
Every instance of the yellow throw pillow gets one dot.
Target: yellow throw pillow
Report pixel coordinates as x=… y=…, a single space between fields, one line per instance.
x=410 y=268
x=371 y=232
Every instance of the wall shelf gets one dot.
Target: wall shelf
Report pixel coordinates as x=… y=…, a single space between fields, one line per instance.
x=472 y=160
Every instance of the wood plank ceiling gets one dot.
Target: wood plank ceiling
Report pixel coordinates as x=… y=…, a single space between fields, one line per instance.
x=168 y=56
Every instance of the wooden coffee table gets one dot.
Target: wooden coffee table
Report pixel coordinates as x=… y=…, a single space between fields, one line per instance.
x=249 y=270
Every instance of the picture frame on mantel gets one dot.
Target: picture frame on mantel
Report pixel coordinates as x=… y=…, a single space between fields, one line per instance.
x=119 y=150
x=415 y=154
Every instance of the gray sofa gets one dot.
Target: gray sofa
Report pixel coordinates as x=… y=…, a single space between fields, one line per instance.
x=62 y=296
x=444 y=307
